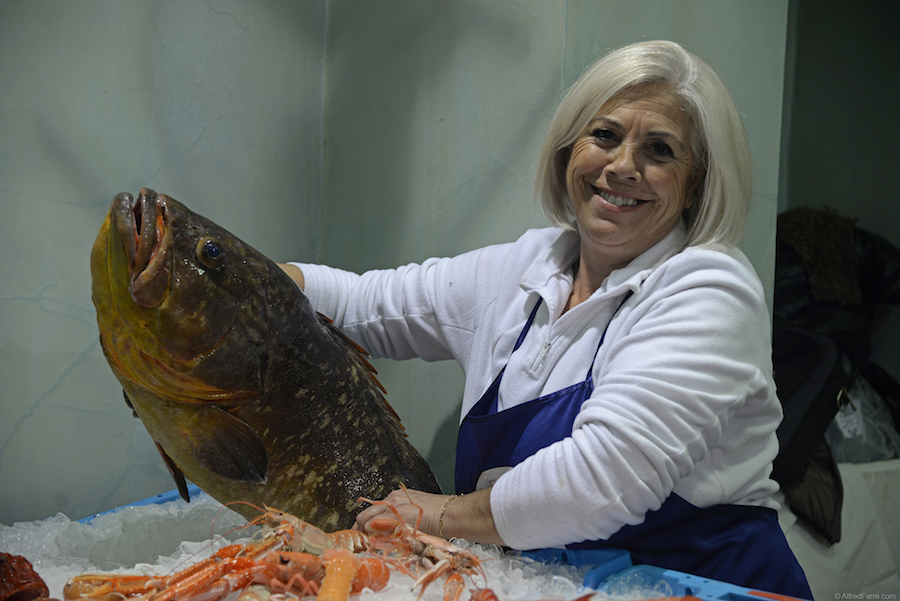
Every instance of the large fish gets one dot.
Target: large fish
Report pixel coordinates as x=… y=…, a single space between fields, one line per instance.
x=245 y=389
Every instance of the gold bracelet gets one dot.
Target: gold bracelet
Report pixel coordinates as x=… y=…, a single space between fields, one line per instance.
x=443 y=511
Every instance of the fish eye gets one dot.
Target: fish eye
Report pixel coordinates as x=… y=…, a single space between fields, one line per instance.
x=210 y=253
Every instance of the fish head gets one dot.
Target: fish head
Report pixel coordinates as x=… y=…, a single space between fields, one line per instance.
x=178 y=301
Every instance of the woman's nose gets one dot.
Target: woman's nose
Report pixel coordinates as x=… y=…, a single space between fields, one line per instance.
x=624 y=164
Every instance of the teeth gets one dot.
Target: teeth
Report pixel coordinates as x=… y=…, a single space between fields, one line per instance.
x=617 y=200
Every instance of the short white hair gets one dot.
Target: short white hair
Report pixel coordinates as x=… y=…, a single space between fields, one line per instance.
x=718 y=140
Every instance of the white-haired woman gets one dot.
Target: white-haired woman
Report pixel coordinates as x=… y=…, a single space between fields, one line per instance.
x=619 y=387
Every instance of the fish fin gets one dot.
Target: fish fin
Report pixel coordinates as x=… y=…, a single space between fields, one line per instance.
x=229 y=447
x=177 y=474
x=363 y=356
x=128 y=402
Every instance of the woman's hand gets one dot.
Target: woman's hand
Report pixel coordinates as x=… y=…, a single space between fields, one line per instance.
x=410 y=504
x=467 y=516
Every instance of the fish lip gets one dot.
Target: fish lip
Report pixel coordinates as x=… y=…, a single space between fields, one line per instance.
x=142 y=227
x=122 y=213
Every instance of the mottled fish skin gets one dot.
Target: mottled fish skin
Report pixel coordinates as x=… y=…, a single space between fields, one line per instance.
x=246 y=390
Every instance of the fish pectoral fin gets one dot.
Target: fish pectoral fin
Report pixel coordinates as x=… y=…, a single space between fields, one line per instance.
x=130 y=406
x=228 y=446
x=177 y=474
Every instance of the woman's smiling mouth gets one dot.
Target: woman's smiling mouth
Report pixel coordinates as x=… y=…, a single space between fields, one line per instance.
x=619 y=201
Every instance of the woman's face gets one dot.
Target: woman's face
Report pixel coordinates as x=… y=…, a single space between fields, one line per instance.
x=630 y=174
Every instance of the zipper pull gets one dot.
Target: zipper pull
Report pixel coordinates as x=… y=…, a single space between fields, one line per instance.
x=544 y=349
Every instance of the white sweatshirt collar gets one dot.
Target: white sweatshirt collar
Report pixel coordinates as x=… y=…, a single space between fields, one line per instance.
x=550 y=274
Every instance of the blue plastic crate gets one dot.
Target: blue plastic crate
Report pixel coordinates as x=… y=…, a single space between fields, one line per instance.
x=681 y=585
x=172 y=495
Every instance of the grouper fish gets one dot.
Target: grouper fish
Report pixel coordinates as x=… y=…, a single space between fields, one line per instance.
x=246 y=390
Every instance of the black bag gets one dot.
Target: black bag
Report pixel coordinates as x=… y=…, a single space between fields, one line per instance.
x=813 y=374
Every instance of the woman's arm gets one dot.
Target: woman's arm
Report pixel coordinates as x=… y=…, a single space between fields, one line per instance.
x=683 y=402
x=294 y=273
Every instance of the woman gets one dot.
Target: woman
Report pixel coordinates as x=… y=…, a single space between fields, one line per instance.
x=619 y=386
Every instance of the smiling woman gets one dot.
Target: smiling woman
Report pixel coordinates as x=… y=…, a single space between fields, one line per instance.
x=716 y=139
x=630 y=176
x=619 y=388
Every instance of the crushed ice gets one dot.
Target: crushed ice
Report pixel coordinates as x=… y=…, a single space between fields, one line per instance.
x=164 y=538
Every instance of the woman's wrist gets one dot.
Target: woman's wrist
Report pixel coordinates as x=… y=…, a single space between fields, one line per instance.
x=444 y=507
x=469 y=517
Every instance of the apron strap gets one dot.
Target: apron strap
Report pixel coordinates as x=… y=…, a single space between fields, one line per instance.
x=590 y=370
x=527 y=327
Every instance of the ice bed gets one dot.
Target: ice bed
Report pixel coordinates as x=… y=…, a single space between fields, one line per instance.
x=163 y=534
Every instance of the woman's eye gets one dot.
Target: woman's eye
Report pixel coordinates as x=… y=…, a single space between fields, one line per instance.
x=603 y=135
x=661 y=150
x=210 y=253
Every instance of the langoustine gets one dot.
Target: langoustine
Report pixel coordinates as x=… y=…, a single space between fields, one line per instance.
x=295 y=558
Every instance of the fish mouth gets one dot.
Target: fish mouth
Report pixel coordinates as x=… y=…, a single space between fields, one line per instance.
x=142 y=225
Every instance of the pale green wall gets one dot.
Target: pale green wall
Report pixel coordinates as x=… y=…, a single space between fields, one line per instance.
x=417 y=137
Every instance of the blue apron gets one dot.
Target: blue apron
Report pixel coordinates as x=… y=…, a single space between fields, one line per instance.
x=731 y=543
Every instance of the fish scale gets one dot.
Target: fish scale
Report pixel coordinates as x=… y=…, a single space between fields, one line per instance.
x=244 y=388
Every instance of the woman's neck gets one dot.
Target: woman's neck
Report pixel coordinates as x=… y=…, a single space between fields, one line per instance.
x=588 y=276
